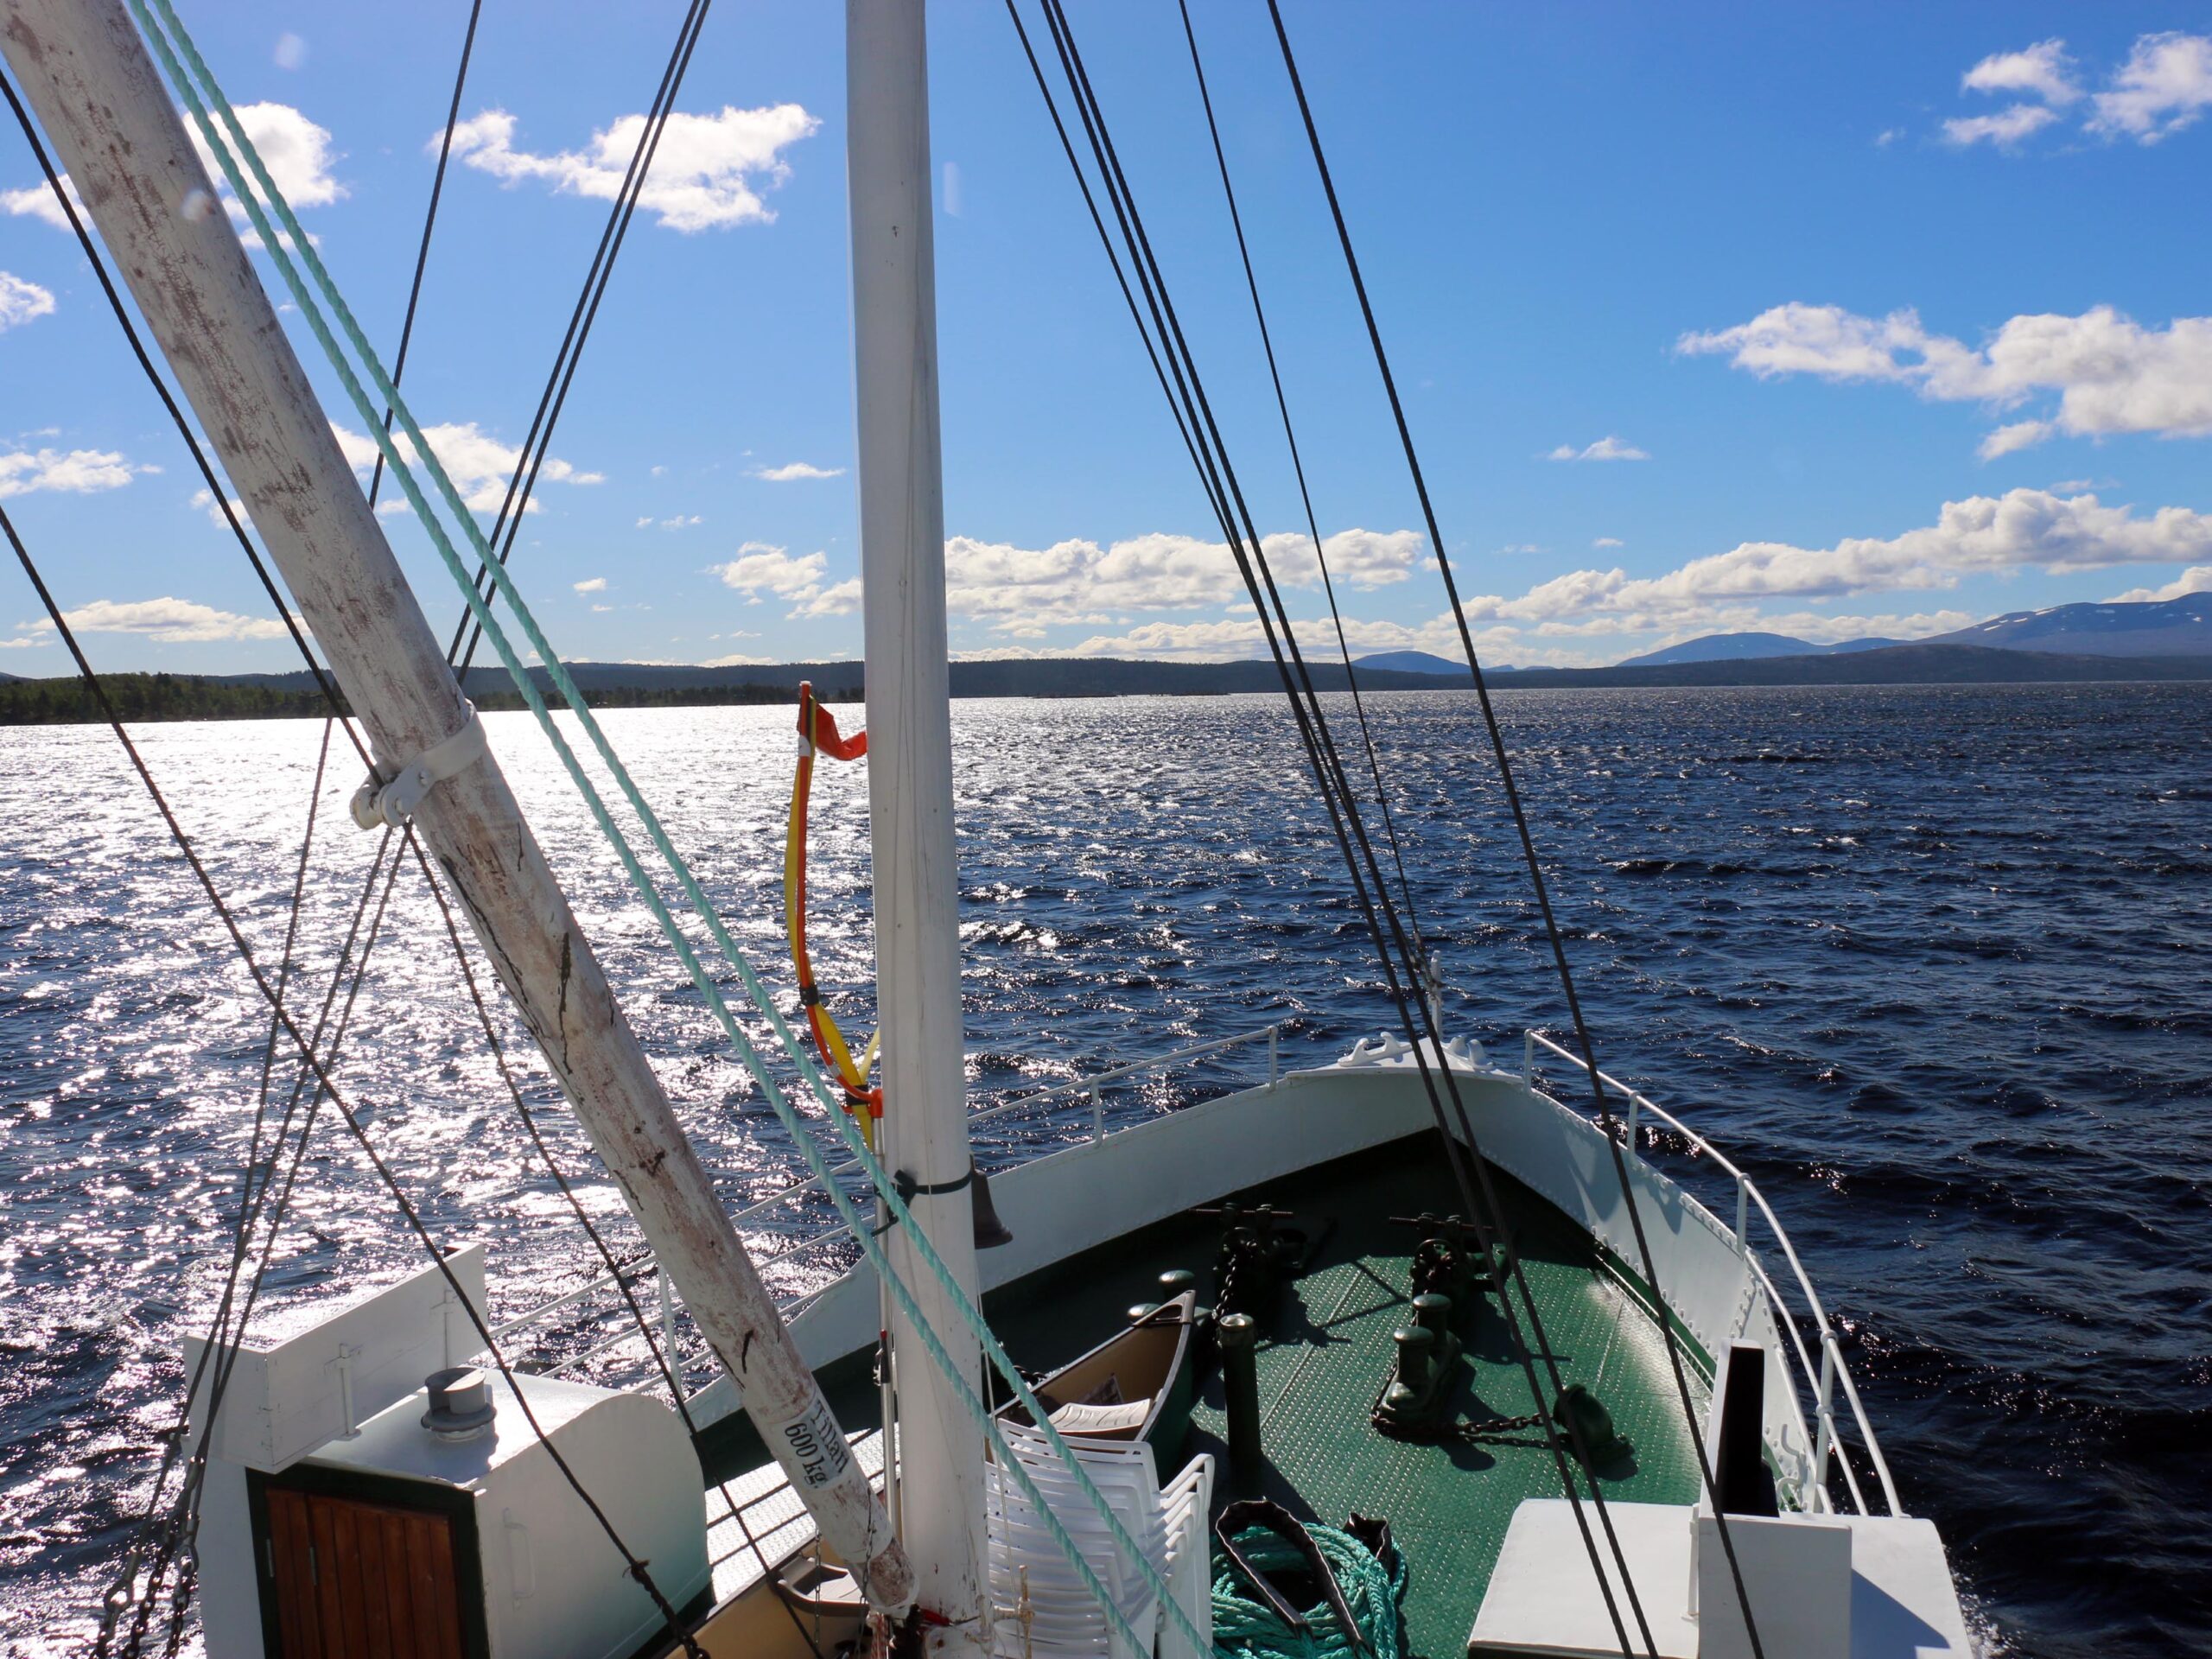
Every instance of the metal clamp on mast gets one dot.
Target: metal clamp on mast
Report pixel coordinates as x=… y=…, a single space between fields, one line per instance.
x=394 y=803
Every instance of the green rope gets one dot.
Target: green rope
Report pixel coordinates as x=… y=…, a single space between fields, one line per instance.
x=1243 y=1625
x=230 y=148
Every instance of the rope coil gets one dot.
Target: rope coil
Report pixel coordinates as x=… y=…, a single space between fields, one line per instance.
x=1243 y=1625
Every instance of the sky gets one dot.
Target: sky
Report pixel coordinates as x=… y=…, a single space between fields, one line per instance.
x=1833 y=322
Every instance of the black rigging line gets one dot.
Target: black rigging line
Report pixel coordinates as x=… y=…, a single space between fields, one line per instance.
x=179 y=1529
x=183 y=1529
x=635 y=1567
x=1583 y=1038
x=253 y=1203
x=537 y=444
x=1148 y=272
x=215 y=488
x=1298 y=466
x=429 y=223
x=668 y=1363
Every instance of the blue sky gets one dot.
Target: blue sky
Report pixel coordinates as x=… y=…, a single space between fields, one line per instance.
x=1834 y=321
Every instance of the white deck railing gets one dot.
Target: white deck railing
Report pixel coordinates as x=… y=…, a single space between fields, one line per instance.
x=1086 y=1094
x=1833 y=1370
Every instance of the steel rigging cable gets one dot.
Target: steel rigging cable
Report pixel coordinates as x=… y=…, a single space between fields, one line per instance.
x=177 y=1529
x=1313 y=733
x=537 y=443
x=1305 y=497
x=1520 y=815
x=634 y=1567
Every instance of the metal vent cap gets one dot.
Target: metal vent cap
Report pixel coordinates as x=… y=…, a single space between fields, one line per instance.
x=461 y=1403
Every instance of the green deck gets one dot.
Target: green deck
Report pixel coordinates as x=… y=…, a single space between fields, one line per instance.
x=1323 y=1363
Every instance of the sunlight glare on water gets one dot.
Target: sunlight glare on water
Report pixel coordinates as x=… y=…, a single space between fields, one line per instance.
x=1932 y=963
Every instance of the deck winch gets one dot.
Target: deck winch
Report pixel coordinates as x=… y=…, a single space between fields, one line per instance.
x=1451 y=1261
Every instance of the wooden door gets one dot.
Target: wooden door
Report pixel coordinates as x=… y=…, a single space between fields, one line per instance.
x=360 y=1580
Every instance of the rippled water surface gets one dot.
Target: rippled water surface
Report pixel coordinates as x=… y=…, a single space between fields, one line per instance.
x=1935 y=964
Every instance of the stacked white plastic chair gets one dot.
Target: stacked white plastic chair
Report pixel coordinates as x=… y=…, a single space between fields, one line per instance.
x=1042 y=1609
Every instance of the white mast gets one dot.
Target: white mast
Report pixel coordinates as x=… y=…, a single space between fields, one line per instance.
x=909 y=785
x=104 y=105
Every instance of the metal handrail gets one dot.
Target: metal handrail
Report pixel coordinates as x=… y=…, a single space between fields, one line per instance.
x=1150 y=1063
x=1832 y=1367
x=1092 y=1086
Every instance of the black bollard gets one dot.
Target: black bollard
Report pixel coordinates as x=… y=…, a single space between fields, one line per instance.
x=1240 y=1387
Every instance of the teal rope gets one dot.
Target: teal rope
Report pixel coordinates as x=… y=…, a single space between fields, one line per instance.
x=281 y=254
x=1246 y=1627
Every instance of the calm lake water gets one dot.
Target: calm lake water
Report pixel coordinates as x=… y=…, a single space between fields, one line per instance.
x=1934 y=964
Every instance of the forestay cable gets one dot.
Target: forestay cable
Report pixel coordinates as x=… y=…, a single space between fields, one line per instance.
x=1305 y=497
x=1489 y=1213
x=1519 y=823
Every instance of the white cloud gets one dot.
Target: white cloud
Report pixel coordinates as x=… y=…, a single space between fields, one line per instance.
x=205 y=499
x=2043 y=69
x=296 y=151
x=22 y=301
x=591 y=585
x=2163 y=86
x=760 y=568
x=1078 y=581
x=793 y=470
x=707 y=173
x=2020 y=434
x=478 y=464
x=680 y=521
x=298 y=154
x=2198 y=579
x=2005 y=128
x=1605 y=448
x=74 y=471
x=168 y=621
x=1240 y=638
x=291 y=51
x=2111 y=373
x=1607 y=541
x=36 y=201
x=1981 y=536
x=839 y=599
x=735 y=662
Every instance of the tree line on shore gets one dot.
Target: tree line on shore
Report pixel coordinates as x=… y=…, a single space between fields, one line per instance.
x=186 y=696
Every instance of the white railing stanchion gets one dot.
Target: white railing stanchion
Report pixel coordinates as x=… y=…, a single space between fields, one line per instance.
x=1528 y=1059
x=1825 y=1410
x=1747 y=1194
x=1634 y=1101
x=668 y=1337
x=1097 y=1115
x=1275 y=1060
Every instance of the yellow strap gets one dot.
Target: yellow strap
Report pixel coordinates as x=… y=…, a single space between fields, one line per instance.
x=855 y=1076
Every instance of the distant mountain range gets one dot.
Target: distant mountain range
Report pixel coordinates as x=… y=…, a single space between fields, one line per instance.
x=2163 y=639
x=2166 y=627
x=1736 y=647
x=1423 y=662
